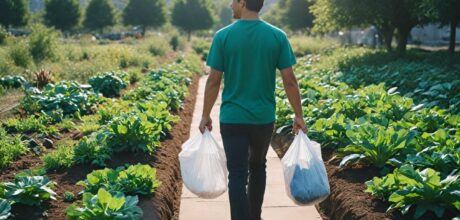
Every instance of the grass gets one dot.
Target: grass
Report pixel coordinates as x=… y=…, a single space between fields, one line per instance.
x=81 y=59
x=304 y=45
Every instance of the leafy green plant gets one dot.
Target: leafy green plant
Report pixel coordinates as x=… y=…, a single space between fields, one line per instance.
x=30 y=190
x=13 y=81
x=71 y=97
x=92 y=150
x=105 y=205
x=62 y=157
x=374 y=144
x=134 y=132
x=135 y=179
x=11 y=148
x=407 y=188
x=5 y=209
x=31 y=124
x=68 y=196
x=109 y=84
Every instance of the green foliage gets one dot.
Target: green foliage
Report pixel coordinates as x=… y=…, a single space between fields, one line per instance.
x=374 y=144
x=62 y=14
x=30 y=124
x=105 y=205
x=30 y=190
x=43 y=43
x=5 y=208
x=109 y=84
x=14 y=12
x=13 y=81
x=193 y=15
x=167 y=85
x=132 y=180
x=158 y=46
x=375 y=124
x=297 y=15
x=430 y=84
x=134 y=77
x=62 y=157
x=92 y=150
x=201 y=47
x=68 y=196
x=146 y=13
x=71 y=97
x=407 y=188
x=99 y=14
x=12 y=147
x=134 y=132
x=386 y=15
x=20 y=55
x=3 y=35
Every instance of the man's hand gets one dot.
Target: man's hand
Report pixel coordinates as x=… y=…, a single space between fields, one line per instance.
x=206 y=122
x=299 y=124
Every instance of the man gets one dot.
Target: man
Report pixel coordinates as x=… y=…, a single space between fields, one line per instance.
x=247 y=53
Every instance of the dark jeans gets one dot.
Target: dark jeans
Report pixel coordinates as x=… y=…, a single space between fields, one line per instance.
x=246 y=147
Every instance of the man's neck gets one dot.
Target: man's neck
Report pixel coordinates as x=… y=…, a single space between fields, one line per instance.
x=250 y=16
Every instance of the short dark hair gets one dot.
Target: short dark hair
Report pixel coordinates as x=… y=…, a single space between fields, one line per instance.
x=254 y=5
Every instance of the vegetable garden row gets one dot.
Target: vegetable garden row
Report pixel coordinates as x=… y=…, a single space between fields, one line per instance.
x=409 y=152
x=79 y=129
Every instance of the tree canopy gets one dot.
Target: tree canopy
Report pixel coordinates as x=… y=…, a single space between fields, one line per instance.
x=99 y=14
x=62 y=14
x=145 y=13
x=14 y=12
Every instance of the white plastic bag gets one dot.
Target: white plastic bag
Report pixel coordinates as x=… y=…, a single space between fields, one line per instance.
x=304 y=172
x=204 y=166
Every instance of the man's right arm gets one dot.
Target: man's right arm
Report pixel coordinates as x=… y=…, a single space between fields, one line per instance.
x=293 y=93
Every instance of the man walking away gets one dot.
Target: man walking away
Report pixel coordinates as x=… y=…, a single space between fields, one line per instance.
x=247 y=53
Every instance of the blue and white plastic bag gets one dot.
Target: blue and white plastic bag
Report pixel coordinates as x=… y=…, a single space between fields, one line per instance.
x=304 y=172
x=203 y=166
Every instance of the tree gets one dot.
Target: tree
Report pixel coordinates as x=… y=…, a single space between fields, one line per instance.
x=62 y=14
x=193 y=15
x=297 y=14
x=145 y=13
x=447 y=12
x=14 y=12
x=99 y=14
x=386 y=15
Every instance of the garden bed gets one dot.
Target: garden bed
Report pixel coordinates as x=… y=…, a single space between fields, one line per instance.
x=164 y=204
x=347 y=200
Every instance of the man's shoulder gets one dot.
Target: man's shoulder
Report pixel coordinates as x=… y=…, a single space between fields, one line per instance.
x=274 y=28
x=224 y=30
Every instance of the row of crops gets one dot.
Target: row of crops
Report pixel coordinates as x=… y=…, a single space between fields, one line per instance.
x=415 y=147
x=133 y=121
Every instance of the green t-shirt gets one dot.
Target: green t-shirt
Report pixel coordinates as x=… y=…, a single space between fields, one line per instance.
x=249 y=52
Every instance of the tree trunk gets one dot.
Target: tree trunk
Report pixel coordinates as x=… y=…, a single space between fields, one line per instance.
x=387 y=32
x=403 y=35
x=189 y=35
x=453 y=36
x=387 y=35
